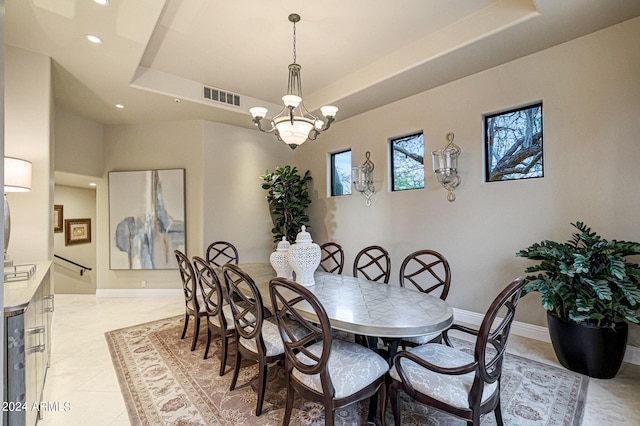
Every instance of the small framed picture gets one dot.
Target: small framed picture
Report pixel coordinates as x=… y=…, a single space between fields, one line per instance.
x=77 y=231
x=513 y=144
x=58 y=218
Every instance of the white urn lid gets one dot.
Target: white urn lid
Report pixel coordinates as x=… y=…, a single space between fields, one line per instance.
x=283 y=245
x=303 y=236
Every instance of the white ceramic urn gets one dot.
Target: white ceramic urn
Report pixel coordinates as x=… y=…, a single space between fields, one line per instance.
x=304 y=258
x=280 y=259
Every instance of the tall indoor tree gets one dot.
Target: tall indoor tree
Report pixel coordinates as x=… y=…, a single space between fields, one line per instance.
x=288 y=197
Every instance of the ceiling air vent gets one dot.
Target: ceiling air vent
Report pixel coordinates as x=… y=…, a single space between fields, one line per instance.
x=221 y=96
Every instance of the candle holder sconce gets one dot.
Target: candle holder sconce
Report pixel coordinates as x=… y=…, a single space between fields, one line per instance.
x=362 y=178
x=445 y=166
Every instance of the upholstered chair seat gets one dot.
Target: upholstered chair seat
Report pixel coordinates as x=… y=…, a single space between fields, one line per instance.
x=201 y=305
x=352 y=367
x=450 y=389
x=332 y=372
x=228 y=315
x=464 y=385
x=258 y=337
x=271 y=336
x=219 y=316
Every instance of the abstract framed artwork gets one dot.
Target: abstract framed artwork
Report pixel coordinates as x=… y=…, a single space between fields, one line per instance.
x=513 y=144
x=58 y=218
x=146 y=218
x=77 y=231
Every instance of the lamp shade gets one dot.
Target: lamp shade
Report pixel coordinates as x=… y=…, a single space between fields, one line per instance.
x=329 y=111
x=258 y=112
x=17 y=175
x=296 y=133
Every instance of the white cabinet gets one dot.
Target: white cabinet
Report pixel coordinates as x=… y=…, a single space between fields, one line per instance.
x=27 y=322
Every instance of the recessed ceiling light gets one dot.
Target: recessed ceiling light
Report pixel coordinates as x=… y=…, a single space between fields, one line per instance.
x=102 y=2
x=119 y=106
x=93 y=184
x=93 y=38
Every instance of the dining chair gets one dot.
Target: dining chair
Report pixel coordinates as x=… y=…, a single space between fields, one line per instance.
x=450 y=380
x=258 y=338
x=221 y=252
x=332 y=257
x=195 y=306
x=318 y=367
x=373 y=263
x=429 y=272
x=219 y=316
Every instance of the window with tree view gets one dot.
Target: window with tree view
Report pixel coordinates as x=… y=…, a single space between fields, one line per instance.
x=407 y=162
x=513 y=144
x=341 y=173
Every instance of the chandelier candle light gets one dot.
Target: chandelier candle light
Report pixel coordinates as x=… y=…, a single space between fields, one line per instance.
x=294 y=124
x=362 y=178
x=445 y=166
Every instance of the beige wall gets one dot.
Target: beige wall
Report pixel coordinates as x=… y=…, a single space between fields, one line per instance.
x=78 y=203
x=223 y=195
x=235 y=208
x=79 y=145
x=167 y=145
x=29 y=135
x=590 y=89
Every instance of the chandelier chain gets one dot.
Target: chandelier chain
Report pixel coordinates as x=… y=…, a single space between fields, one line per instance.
x=294 y=42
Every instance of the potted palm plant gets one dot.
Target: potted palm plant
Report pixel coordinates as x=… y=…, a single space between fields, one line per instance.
x=590 y=292
x=288 y=198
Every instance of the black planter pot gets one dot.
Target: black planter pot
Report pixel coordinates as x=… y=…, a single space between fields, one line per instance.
x=594 y=351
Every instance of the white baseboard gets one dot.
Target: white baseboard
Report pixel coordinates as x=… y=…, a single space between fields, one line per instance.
x=537 y=332
x=135 y=292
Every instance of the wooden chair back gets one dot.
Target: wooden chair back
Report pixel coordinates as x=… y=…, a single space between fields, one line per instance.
x=192 y=304
x=428 y=271
x=332 y=258
x=222 y=252
x=210 y=288
x=494 y=332
x=489 y=351
x=188 y=277
x=373 y=263
x=286 y=298
x=246 y=304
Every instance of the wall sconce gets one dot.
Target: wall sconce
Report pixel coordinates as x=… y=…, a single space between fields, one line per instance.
x=17 y=178
x=445 y=166
x=362 y=178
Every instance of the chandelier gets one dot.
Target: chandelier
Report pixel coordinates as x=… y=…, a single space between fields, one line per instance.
x=294 y=124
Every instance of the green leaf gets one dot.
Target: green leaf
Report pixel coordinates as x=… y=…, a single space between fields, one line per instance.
x=288 y=198
x=587 y=279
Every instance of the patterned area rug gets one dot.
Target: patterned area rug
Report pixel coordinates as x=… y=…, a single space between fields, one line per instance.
x=164 y=383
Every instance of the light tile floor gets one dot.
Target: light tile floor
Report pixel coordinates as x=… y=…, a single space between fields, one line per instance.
x=82 y=373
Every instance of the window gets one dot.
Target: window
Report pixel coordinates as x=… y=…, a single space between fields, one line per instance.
x=341 y=173
x=513 y=144
x=407 y=162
